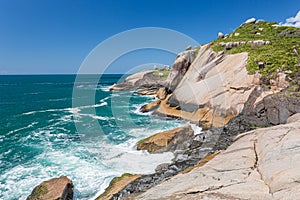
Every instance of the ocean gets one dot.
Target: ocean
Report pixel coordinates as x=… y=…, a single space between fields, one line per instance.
x=43 y=136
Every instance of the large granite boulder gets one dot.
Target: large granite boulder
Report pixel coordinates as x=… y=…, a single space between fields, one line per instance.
x=213 y=90
x=162 y=93
x=260 y=164
x=170 y=140
x=179 y=68
x=60 y=188
x=116 y=185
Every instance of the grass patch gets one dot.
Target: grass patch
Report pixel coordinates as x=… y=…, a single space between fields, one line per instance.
x=108 y=191
x=38 y=192
x=280 y=54
x=162 y=73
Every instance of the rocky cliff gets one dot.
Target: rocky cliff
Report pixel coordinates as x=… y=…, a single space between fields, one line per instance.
x=260 y=164
x=233 y=85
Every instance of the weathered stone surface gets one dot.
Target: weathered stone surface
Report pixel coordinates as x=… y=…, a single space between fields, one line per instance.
x=213 y=90
x=146 y=78
x=150 y=106
x=260 y=164
x=188 y=48
x=254 y=43
x=60 y=188
x=293 y=118
x=179 y=68
x=251 y=20
x=162 y=93
x=116 y=185
x=169 y=140
x=220 y=35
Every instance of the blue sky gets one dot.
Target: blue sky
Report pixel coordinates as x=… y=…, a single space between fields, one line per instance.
x=55 y=36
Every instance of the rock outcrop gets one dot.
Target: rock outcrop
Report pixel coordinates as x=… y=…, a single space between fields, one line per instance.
x=146 y=78
x=116 y=185
x=253 y=43
x=170 y=140
x=162 y=93
x=179 y=68
x=263 y=164
x=60 y=188
x=150 y=106
x=213 y=90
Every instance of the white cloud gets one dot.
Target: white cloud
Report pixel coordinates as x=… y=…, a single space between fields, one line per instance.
x=293 y=21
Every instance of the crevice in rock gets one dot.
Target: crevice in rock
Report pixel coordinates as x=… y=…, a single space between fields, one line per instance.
x=255 y=167
x=213 y=188
x=284 y=135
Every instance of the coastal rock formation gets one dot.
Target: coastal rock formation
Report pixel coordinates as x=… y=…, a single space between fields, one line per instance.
x=150 y=106
x=146 y=78
x=213 y=90
x=60 y=188
x=264 y=164
x=170 y=140
x=116 y=185
x=179 y=68
x=162 y=93
x=251 y=20
x=254 y=43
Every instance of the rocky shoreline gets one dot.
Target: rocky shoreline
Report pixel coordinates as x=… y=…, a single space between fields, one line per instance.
x=215 y=91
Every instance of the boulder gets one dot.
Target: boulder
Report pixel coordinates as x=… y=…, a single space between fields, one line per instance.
x=162 y=93
x=179 y=68
x=188 y=48
x=116 y=185
x=251 y=20
x=212 y=91
x=220 y=35
x=293 y=118
x=170 y=140
x=60 y=188
x=150 y=106
x=260 y=164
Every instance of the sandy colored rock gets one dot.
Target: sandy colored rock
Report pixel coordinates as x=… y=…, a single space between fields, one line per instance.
x=179 y=68
x=116 y=185
x=147 y=92
x=260 y=164
x=162 y=93
x=213 y=90
x=293 y=118
x=150 y=106
x=166 y=140
x=60 y=188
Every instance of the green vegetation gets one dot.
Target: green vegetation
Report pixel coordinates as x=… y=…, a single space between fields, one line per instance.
x=38 y=192
x=282 y=53
x=162 y=73
x=113 y=182
x=197 y=48
x=143 y=140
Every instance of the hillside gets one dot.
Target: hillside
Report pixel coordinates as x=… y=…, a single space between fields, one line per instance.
x=279 y=53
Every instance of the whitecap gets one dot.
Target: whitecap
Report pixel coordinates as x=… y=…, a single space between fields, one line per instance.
x=197 y=129
x=23 y=128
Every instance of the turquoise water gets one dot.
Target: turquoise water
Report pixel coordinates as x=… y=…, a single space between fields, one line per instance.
x=40 y=137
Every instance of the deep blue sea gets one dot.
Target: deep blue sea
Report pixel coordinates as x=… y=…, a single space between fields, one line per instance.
x=43 y=135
